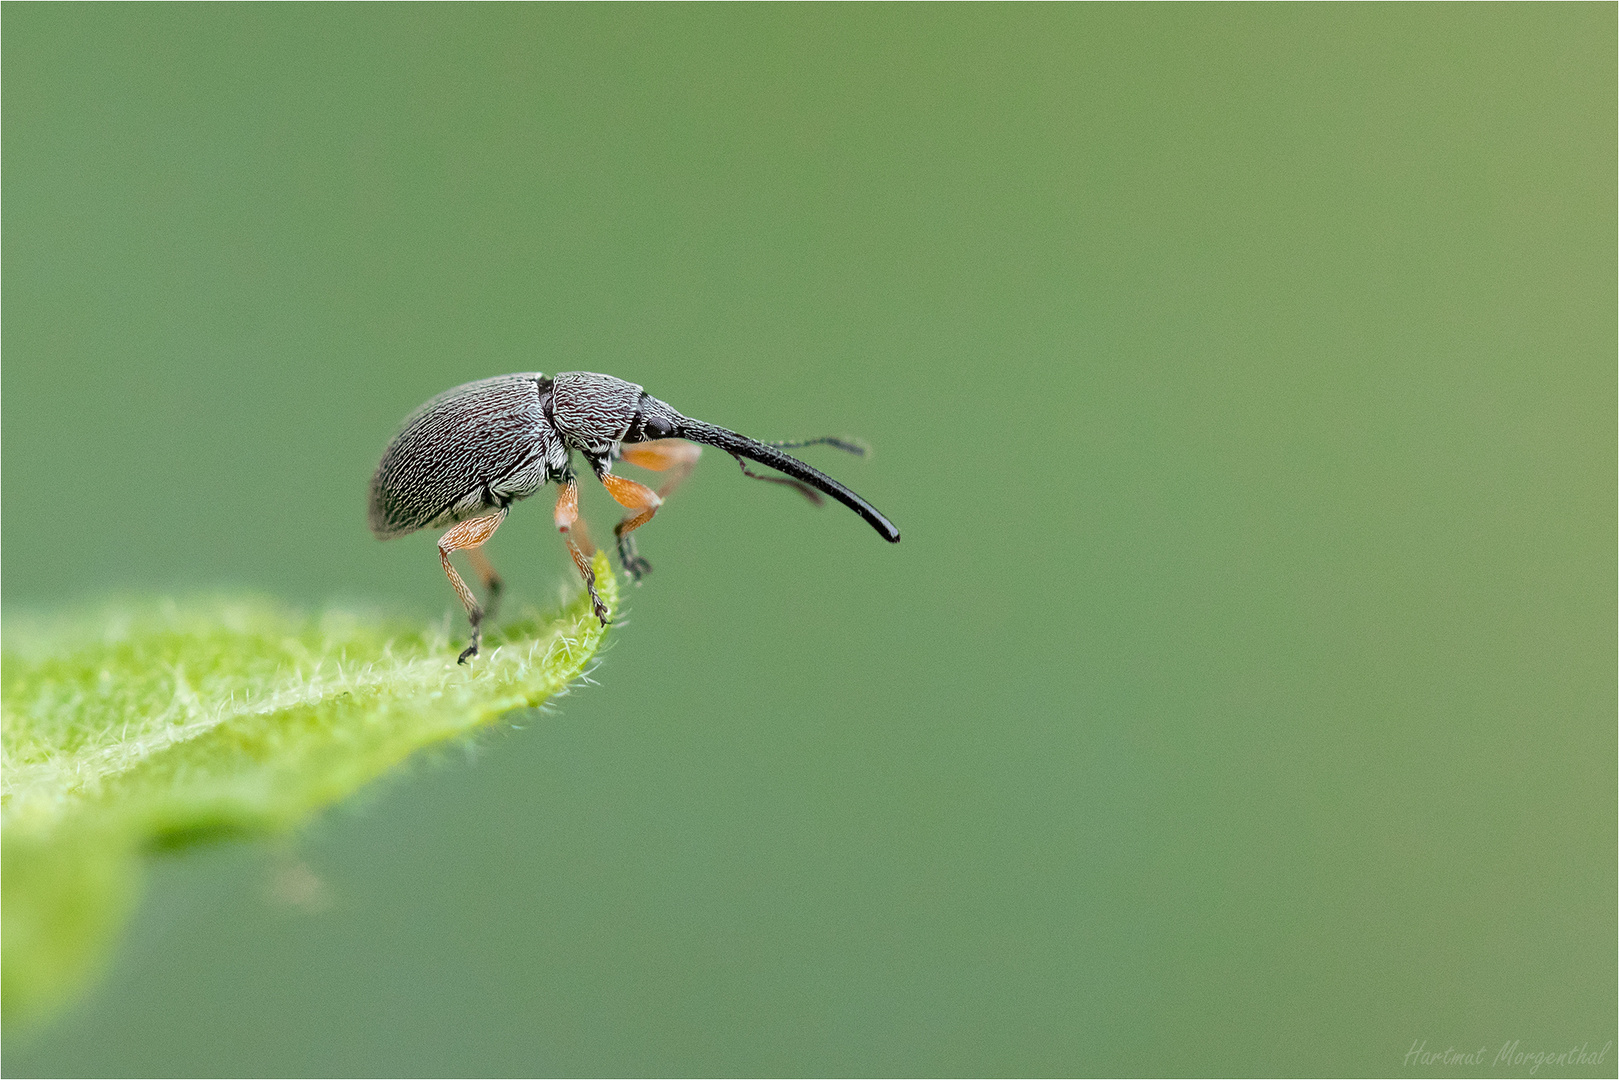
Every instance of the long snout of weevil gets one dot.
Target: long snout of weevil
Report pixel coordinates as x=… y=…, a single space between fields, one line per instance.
x=463 y=458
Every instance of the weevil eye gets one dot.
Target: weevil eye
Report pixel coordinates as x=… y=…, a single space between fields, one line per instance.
x=653 y=420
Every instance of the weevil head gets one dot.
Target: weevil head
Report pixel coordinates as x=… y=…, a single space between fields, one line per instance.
x=594 y=413
x=654 y=420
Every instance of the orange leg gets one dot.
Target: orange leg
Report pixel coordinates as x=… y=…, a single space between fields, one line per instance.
x=492 y=584
x=645 y=502
x=467 y=535
x=568 y=524
x=677 y=456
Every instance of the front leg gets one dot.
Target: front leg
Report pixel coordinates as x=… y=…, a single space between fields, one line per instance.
x=644 y=502
x=630 y=557
x=677 y=458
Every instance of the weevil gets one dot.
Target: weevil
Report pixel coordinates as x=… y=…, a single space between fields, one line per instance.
x=463 y=458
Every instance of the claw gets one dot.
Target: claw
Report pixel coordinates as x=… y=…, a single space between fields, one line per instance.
x=630 y=559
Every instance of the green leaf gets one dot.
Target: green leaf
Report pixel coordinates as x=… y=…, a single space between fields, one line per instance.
x=151 y=727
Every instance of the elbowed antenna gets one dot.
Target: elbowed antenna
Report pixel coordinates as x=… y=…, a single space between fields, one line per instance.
x=764 y=454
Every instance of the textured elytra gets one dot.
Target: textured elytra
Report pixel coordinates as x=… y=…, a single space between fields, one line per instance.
x=475 y=447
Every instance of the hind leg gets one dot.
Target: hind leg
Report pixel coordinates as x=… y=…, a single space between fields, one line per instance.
x=466 y=536
x=492 y=585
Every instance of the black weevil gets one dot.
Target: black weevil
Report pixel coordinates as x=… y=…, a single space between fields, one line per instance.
x=463 y=458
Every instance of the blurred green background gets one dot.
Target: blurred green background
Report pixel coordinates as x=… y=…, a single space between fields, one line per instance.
x=1241 y=698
